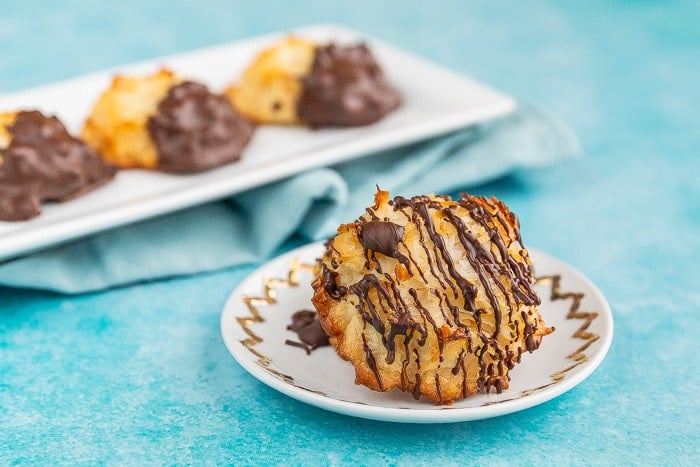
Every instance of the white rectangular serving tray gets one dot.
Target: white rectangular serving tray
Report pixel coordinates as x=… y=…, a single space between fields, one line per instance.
x=435 y=100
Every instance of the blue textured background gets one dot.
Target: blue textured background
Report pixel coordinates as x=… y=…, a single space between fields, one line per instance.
x=141 y=373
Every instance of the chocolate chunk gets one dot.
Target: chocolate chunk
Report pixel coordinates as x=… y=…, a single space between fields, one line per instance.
x=345 y=87
x=44 y=163
x=196 y=130
x=382 y=237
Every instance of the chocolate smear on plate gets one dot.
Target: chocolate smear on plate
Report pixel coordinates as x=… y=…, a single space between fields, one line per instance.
x=307 y=326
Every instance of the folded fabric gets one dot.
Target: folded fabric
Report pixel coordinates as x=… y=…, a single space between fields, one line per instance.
x=248 y=227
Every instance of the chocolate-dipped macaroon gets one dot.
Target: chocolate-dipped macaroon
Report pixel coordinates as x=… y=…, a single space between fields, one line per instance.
x=301 y=82
x=430 y=295
x=40 y=161
x=164 y=123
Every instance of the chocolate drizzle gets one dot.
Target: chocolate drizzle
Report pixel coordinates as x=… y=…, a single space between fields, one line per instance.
x=45 y=163
x=328 y=278
x=371 y=362
x=465 y=298
x=345 y=87
x=307 y=326
x=196 y=130
x=366 y=306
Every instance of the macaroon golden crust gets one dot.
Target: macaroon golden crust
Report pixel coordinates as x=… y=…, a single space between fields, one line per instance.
x=271 y=85
x=116 y=128
x=430 y=296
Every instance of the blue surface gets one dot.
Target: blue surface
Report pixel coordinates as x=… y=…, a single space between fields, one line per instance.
x=140 y=373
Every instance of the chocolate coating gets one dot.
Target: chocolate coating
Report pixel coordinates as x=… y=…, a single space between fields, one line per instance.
x=18 y=202
x=196 y=130
x=44 y=163
x=345 y=87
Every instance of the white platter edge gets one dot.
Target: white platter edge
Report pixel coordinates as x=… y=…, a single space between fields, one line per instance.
x=60 y=230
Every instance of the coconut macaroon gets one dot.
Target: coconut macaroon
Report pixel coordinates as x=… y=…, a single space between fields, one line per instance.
x=165 y=123
x=269 y=89
x=299 y=82
x=430 y=295
x=40 y=161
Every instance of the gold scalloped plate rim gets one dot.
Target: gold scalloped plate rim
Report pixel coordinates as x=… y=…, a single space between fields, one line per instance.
x=243 y=311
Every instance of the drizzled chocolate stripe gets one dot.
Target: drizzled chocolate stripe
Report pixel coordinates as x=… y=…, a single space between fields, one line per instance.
x=330 y=285
x=416 y=384
x=479 y=258
x=439 y=390
x=366 y=307
x=519 y=275
x=426 y=315
x=404 y=325
x=371 y=362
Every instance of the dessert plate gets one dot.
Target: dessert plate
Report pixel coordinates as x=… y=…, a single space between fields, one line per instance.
x=254 y=321
x=435 y=101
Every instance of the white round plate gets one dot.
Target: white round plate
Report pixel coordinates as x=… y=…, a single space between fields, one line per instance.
x=254 y=327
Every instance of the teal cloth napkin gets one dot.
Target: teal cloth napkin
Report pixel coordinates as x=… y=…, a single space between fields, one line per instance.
x=248 y=227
